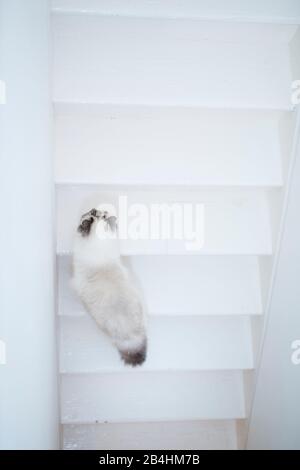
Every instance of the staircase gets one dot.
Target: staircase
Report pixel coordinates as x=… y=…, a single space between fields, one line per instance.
x=170 y=109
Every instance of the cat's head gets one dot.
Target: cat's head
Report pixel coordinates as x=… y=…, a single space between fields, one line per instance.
x=89 y=221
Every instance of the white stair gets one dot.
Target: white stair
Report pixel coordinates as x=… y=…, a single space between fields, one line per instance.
x=175 y=435
x=139 y=396
x=142 y=143
x=171 y=102
x=185 y=285
x=127 y=60
x=236 y=221
x=277 y=11
x=183 y=342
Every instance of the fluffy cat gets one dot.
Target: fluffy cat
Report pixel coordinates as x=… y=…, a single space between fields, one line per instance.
x=103 y=284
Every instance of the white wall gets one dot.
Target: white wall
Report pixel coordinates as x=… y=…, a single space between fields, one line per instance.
x=28 y=381
x=275 y=420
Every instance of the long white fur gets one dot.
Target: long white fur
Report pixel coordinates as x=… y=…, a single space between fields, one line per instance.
x=104 y=286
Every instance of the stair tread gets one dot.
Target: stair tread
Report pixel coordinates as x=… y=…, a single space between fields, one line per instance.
x=166 y=146
x=192 y=435
x=174 y=343
x=152 y=396
x=185 y=285
x=274 y=12
x=160 y=61
x=235 y=221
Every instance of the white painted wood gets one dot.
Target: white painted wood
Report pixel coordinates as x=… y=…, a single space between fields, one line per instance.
x=185 y=285
x=151 y=396
x=188 y=435
x=174 y=343
x=153 y=107
x=170 y=62
x=68 y=303
x=166 y=146
x=294 y=47
x=235 y=221
x=28 y=380
x=241 y=433
x=273 y=11
x=275 y=424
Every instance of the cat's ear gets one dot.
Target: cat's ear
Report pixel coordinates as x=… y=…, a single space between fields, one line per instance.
x=112 y=223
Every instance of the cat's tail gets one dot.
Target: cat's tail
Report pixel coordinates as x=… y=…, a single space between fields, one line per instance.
x=134 y=356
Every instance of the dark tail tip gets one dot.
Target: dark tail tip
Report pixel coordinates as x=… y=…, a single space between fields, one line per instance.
x=134 y=357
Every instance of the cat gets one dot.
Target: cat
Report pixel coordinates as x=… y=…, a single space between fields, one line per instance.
x=104 y=286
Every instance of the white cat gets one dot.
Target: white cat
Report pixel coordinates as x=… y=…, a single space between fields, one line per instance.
x=103 y=284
